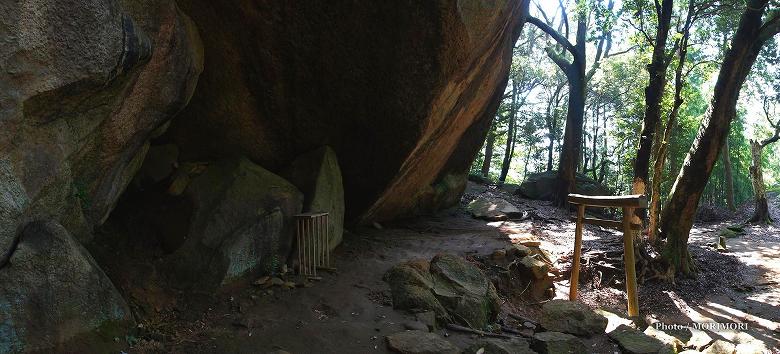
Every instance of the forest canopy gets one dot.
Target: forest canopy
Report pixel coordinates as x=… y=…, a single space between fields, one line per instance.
x=531 y=121
x=645 y=97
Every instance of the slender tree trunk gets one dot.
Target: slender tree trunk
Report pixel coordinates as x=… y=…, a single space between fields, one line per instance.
x=584 y=158
x=654 y=93
x=527 y=158
x=728 y=175
x=655 y=199
x=677 y=218
x=603 y=169
x=491 y=140
x=594 y=150
x=552 y=126
x=761 y=214
x=550 y=149
x=510 y=134
x=660 y=159
x=663 y=148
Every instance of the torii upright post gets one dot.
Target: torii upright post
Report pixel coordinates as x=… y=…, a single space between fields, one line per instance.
x=628 y=203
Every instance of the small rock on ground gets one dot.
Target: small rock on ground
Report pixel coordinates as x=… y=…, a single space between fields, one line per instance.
x=633 y=341
x=557 y=343
x=572 y=317
x=420 y=342
x=664 y=338
x=427 y=317
x=720 y=347
x=698 y=340
x=416 y=326
x=500 y=346
x=493 y=209
x=752 y=347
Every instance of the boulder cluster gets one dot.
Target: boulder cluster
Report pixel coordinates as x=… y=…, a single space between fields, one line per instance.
x=204 y=126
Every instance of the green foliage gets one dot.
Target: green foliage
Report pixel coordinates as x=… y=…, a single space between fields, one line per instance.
x=615 y=102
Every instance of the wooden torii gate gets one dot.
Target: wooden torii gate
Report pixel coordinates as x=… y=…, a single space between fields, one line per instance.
x=628 y=203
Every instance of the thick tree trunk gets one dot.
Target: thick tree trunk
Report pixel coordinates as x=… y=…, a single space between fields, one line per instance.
x=761 y=214
x=572 y=136
x=491 y=140
x=654 y=93
x=728 y=176
x=575 y=75
x=677 y=218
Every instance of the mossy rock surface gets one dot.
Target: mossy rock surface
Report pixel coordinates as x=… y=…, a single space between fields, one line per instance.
x=557 y=343
x=241 y=225
x=542 y=186
x=732 y=231
x=572 y=317
x=53 y=291
x=492 y=209
x=500 y=346
x=317 y=174
x=456 y=290
x=633 y=341
x=411 y=287
x=420 y=342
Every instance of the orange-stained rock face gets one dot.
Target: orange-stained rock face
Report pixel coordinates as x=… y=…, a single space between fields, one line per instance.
x=403 y=90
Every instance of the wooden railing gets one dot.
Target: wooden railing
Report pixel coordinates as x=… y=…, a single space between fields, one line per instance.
x=628 y=203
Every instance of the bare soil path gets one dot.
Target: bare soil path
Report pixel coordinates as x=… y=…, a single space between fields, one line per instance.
x=351 y=312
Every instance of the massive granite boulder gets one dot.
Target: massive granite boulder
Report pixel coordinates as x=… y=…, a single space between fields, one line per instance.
x=542 y=186
x=52 y=291
x=83 y=86
x=404 y=91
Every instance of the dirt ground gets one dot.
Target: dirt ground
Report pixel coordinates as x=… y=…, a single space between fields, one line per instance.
x=350 y=311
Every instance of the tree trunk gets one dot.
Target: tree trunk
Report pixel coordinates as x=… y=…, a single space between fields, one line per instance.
x=603 y=169
x=527 y=158
x=552 y=126
x=728 y=175
x=510 y=135
x=550 y=149
x=572 y=136
x=491 y=140
x=595 y=141
x=654 y=93
x=677 y=218
x=761 y=214
x=575 y=75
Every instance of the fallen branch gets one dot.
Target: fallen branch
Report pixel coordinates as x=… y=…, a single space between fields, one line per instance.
x=514 y=331
x=459 y=328
x=537 y=303
x=522 y=318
